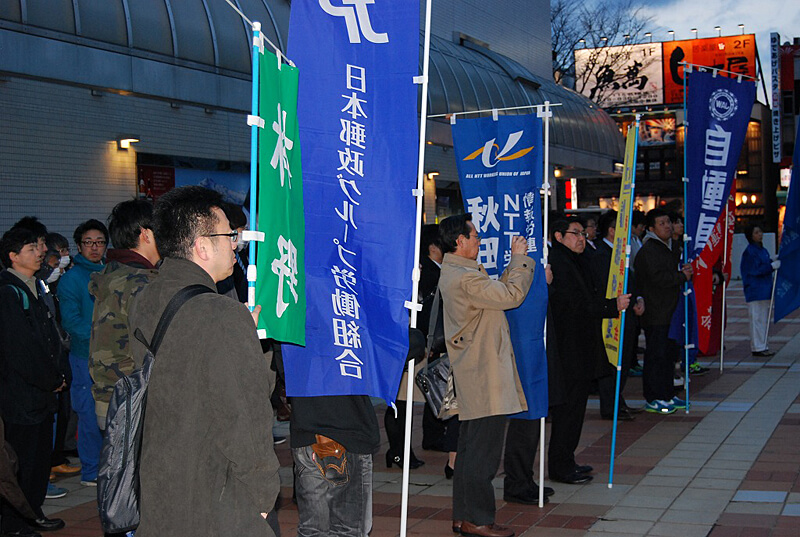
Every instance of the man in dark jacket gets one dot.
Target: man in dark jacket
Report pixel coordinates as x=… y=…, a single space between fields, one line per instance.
x=30 y=377
x=581 y=359
x=659 y=281
x=207 y=466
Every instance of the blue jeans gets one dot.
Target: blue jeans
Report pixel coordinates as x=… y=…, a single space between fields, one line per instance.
x=335 y=507
x=90 y=441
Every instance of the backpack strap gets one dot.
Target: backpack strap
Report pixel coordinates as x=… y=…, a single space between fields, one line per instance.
x=175 y=303
x=23 y=296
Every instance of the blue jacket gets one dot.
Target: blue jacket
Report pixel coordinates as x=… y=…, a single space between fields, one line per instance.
x=77 y=304
x=756 y=269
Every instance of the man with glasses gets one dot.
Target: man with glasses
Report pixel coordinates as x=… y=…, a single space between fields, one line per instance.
x=130 y=265
x=577 y=314
x=77 y=305
x=208 y=466
x=487 y=384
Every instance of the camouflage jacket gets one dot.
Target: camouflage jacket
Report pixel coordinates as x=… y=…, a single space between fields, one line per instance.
x=110 y=356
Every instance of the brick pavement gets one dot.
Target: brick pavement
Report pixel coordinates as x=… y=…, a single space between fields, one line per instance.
x=729 y=468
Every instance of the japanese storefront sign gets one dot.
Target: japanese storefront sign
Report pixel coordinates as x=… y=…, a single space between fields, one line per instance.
x=281 y=289
x=617 y=272
x=357 y=109
x=734 y=53
x=787 y=283
x=500 y=170
x=627 y=75
x=718 y=110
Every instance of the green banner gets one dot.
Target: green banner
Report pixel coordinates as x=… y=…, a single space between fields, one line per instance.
x=281 y=286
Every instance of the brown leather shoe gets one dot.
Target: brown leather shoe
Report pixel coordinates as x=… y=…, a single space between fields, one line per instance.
x=456 y=526
x=66 y=469
x=489 y=530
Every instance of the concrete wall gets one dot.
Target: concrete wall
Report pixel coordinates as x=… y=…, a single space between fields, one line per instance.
x=60 y=160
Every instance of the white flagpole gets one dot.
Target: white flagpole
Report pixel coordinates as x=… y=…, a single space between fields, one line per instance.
x=414 y=305
x=724 y=292
x=546 y=114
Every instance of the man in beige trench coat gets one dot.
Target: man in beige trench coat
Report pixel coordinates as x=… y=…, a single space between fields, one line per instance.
x=484 y=371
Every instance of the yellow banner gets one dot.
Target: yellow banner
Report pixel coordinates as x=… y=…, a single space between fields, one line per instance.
x=619 y=257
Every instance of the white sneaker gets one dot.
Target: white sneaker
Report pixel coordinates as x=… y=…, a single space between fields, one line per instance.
x=89 y=483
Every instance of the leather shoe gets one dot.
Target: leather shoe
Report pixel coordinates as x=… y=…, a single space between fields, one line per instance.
x=548 y=491
x=622 y=415
x=633 y=410
x=457 y=526
x=525 y=499
x=47 y=524
x=575 y=478
x=585 y=469
x=65 y=469
x=489 y=530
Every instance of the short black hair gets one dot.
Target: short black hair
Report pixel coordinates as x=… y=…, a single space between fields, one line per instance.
x=181 y=216
x=429 y=235
x=586 y=217
x=638 y=218
x=607 y=220
x=32 y=223
x=127 y=220
x=562 y=224
x=235 y=215
x=674 y=216
x=451 y=228
x=750 y=228
x=56 y=241
x=653 y=214
x=88 y=226
x=14 y=240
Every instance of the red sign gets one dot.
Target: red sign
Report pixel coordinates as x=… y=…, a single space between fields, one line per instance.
x=155 y=181
x=733 y=53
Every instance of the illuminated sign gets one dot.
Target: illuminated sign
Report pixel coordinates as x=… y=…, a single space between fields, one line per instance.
x=628 y=75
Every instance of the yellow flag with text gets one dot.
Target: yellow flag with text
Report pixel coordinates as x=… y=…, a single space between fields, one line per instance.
x=620 y=254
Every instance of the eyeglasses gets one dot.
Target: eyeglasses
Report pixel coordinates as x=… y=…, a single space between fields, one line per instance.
x=579 y=233
x=91 y=244
x=233 y=235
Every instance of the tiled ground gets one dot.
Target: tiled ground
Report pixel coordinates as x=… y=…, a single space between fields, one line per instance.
x=729 y=468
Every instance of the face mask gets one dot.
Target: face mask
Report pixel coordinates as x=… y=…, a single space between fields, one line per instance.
x=241 y=245
x=54 y=275
x=64 y=261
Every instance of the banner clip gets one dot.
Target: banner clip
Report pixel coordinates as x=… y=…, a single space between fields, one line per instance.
x=453 y=119
x=689 y=346
x=420 y=79
x=252 y=273
x=250 y=235
x=416 y=192
x=255 y=120
x=494 y=114
x=258 y=42
x=413 y=305
x=714 y=73
x=540 y=112
x=685 y=179
x=686 y=238
x=687 y=292
x=262 y=334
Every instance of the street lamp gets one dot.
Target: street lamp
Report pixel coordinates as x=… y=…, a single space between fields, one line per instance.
x=626 y=37
x=649 y=35
x=742 y=28
x=694 y=31
x=719 y=30
x=583 y=42
x=604 y=39
x=672 y=33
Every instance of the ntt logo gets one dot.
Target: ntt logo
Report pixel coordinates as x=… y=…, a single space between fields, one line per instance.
x=722 y=104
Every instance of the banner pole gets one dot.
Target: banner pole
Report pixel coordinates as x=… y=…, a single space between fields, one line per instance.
x=544 y=111
x=414 y=305
x=724 y=292
x=685 y=244
x=251 y=272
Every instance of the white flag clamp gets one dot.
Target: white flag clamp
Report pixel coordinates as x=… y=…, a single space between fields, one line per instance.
x=255 y=120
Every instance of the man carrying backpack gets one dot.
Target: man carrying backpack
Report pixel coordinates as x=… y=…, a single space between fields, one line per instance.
x=30 y=377
x=207 y=464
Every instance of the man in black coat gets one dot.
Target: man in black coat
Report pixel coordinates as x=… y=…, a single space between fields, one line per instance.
x=600 y=265
x=30 y=377
x=576 y=310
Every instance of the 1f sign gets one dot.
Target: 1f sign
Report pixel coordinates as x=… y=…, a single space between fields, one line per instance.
x=356 y=16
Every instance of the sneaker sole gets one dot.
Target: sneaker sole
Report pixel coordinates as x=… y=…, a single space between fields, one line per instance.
x=55 y=496
x=656 y=411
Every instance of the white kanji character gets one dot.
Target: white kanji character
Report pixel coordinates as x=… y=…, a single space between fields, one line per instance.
x=705 y=226
x=345 y=279
x=349 y=364
x=345 y=304
x=353 y=133
x=352 y=183
x=346 y=334
x=714 y=182
x=718 y=141
x=356 y=78
x=285 y=267
x=342 y=251
x=353 y=106
x=527 y=199
x=284 y=144
x=351 y=162
x=487 y=255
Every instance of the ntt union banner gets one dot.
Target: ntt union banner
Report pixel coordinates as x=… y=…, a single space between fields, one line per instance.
x=357 y=112
x=500 y=170
x=718 y=109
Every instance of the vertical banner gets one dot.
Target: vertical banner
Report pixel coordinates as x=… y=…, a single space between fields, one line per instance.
x=357 y=109
x=500 y=170
x=787 y=284
x=281 y=287
x=619 y=260
x=718 y=110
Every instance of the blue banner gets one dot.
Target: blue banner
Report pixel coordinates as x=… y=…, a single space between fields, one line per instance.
x=500 y=170
x=357 y=111
x=718 y=110
x=787 y=285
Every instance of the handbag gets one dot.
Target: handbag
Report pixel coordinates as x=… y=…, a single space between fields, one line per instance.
x=435 y=378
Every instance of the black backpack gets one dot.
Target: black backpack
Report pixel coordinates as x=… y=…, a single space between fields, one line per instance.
x=118 y=473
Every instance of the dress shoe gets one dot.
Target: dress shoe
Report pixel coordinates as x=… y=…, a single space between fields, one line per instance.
x=47 y=524
x=575 y=478
x=548 y=491
x=66 y=469
x=448 y=471
x=457 y=526
x=22 y=533
x=489 y=530
x=622 y=415
x=524 y=499
x=764 y=353
x=585 y=469
x=633 y=410
x=398 y=461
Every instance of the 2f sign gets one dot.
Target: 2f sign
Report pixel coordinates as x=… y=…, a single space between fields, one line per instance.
x=356 y=16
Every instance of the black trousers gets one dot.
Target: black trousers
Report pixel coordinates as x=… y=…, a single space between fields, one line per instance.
x=659 y=364
x=63 y=414
x=522 y=443
x=439 y=435
x=477 y=461
x=566 y=427
x=606 y=386
x=33 y=445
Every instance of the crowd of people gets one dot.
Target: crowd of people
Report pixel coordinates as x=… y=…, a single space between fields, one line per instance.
x=72 y=326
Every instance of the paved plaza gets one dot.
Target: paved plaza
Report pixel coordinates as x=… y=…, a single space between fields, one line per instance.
x=728 y=468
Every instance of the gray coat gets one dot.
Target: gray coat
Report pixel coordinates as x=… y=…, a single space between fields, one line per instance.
x=208 y=466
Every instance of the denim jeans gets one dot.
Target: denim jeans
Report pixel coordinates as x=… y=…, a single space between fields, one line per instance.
x=90 y=440
x=336 y=507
